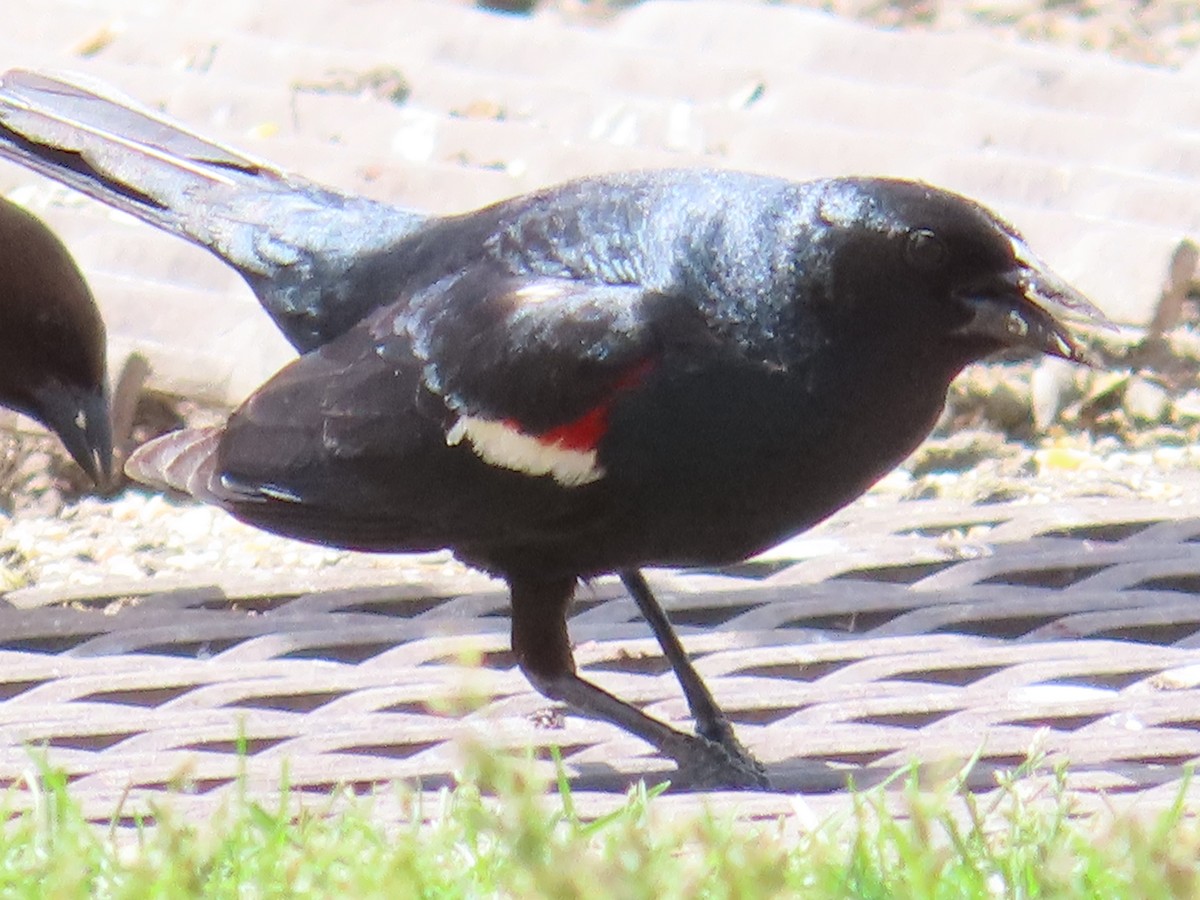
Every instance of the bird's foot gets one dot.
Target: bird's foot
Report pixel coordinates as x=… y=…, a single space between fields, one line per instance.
x=707 y=765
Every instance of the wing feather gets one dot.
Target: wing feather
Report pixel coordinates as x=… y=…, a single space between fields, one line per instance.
x=355 y=443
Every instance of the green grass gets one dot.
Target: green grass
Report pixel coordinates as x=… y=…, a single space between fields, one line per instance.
x=504 y=833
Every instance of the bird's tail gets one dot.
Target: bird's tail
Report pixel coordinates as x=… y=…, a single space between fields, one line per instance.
x=183 y=461
x=114 y=150
x=280 y=231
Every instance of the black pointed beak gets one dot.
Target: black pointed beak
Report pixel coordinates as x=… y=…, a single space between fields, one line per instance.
x=1031 y=307
x=80 y=418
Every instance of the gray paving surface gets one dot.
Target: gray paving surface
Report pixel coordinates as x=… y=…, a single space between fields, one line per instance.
x=1097 y=161
x=921 y=632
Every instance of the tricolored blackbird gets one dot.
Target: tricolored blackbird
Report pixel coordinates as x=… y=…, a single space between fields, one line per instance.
x=655 y=368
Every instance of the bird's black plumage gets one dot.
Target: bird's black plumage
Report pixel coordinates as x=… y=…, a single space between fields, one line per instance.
x=52 y=342
x=651 y=368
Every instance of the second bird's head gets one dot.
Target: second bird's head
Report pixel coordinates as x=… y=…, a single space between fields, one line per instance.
x=52 y=342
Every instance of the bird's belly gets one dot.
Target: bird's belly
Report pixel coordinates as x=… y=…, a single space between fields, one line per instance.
x=704 y=521
x=718 y=483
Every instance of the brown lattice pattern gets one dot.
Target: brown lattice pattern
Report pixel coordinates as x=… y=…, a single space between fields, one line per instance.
x=879 y=642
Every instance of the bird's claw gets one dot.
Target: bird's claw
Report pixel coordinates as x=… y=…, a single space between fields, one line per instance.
x=706 y=764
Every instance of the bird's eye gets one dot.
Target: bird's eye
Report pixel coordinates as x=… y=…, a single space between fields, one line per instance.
x=925 y=251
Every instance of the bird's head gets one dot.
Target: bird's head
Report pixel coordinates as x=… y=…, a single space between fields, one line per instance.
x=52 y=342
x=908 y=257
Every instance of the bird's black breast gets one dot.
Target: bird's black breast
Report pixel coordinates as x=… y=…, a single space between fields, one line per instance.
x=711 y=465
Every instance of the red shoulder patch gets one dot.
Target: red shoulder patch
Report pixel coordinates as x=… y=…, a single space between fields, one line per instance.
x=586 y=431
x=567 y=453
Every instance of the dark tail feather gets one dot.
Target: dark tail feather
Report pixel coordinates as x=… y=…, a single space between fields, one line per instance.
x=183 y=461
x=296 y=243
x=111 y=149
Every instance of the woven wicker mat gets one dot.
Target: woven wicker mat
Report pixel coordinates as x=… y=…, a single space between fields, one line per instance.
x=919 y=631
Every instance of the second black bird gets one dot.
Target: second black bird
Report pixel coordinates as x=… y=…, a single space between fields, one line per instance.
x=665 y=368
x=52 y=341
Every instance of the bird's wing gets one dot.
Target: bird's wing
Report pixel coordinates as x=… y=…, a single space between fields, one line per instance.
x=475 y=409
x=539 y=351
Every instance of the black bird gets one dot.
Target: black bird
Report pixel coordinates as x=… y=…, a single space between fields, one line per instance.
x=52 y=344
x=667 y=368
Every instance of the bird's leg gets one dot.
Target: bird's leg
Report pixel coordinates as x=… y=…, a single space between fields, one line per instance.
x=543 y=650
x=710 y=720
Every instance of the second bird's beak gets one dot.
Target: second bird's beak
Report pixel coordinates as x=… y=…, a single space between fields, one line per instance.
x=1030 y=307
x=80 y=418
